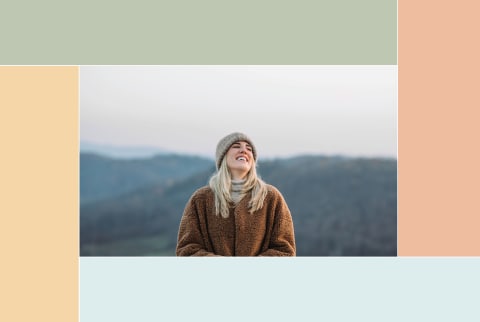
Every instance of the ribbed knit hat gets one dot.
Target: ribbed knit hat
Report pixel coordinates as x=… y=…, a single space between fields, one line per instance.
x=226 y=143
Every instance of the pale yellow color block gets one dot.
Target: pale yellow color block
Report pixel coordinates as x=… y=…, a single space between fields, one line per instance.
x=39 y=193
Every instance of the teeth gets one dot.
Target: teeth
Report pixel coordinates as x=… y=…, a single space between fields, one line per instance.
x=242 y=159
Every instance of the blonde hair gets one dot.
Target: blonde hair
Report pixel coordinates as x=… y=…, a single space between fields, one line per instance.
x=221 y=183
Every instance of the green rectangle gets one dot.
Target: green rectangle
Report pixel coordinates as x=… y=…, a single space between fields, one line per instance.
x=335 y=32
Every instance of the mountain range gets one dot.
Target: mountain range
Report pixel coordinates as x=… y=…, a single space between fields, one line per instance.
x=102 y=177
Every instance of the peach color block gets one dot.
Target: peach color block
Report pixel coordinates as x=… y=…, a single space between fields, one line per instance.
x=439 y=137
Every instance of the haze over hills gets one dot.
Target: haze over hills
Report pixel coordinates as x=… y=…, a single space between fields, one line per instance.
x=121 y=151
x=340 y=205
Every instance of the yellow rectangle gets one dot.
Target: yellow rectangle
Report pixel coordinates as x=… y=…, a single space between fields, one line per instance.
x=39 y=193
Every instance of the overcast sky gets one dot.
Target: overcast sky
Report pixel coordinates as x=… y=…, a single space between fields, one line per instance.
x=286 y=110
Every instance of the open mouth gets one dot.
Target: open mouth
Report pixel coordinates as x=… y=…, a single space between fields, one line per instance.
x=242 y=159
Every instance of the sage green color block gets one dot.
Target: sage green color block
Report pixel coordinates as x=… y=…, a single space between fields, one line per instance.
x=216 y=32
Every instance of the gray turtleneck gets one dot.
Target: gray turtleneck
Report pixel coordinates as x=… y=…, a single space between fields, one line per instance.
x=237 y=192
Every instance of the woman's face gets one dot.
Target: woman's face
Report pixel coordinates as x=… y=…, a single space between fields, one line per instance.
x=239 y=159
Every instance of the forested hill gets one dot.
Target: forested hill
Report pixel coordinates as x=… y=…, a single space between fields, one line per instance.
x=102 y=177
x=340 y=206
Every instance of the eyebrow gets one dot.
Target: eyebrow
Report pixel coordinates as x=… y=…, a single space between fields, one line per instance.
x=238 y=142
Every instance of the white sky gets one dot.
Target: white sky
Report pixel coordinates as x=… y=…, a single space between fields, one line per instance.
x=286 y=110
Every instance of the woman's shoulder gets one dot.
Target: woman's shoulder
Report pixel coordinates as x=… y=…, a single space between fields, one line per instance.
x=202 y=193
x=273 y=191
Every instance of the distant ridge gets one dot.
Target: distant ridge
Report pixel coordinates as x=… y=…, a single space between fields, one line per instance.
x=105 y=177
x=121 y=152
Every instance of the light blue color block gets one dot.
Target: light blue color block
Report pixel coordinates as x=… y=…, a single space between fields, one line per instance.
x=144 y=289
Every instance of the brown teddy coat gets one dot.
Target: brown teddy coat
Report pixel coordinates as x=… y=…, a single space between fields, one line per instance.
x=266 y=232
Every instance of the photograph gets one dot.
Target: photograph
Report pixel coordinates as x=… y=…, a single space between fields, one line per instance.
x=242 y=160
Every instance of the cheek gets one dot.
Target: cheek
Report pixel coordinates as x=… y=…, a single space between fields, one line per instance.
x=230 y=154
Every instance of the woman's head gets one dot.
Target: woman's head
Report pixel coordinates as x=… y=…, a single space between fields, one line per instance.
x=236 y=159
x=226 y=143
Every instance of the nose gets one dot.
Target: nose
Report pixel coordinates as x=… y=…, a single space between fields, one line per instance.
x=243 y=149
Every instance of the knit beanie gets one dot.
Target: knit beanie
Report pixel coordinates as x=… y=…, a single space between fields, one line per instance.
x=226 y=143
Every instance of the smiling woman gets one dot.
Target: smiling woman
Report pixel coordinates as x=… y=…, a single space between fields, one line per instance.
x=237 y=214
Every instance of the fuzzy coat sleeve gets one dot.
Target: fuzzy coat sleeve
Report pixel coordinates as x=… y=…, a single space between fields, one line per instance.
x=282 y=240
x=190 y=239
